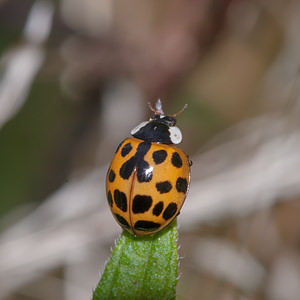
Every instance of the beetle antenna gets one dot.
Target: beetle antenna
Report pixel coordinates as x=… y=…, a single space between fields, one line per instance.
x=185 y=106
x=151 y=107
x=158 y=107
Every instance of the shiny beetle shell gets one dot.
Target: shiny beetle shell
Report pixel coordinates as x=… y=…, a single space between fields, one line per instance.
x=148 y=179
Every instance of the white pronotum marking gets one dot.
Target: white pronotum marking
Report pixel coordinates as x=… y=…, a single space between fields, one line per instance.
x=137 y=128
x=175 y=135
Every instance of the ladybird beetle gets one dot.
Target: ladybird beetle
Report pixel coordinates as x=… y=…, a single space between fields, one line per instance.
x=148 y=178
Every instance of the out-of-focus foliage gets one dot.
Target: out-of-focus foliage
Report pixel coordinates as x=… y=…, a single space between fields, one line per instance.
x=75 y=78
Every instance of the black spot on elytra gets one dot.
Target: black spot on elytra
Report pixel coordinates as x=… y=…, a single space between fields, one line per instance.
x=164 y=187
x=176 y=160
x=122 y=221
x=144 y=171
x=126 y=149
x=127 y=168
x=109 y=198
x=146 y=225
x=119 y=146
x=159 y=156
x=111 y=176
x=141 y=203
x=181 y=185
x=158 y=208
x=120 y=200
x=170 y=211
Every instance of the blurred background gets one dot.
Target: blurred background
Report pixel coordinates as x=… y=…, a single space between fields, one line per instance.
x=75 y=78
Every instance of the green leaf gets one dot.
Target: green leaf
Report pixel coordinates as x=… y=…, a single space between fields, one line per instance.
x=141 y=267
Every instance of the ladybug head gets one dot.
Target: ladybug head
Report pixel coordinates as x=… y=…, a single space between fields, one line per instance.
x=160 y=128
